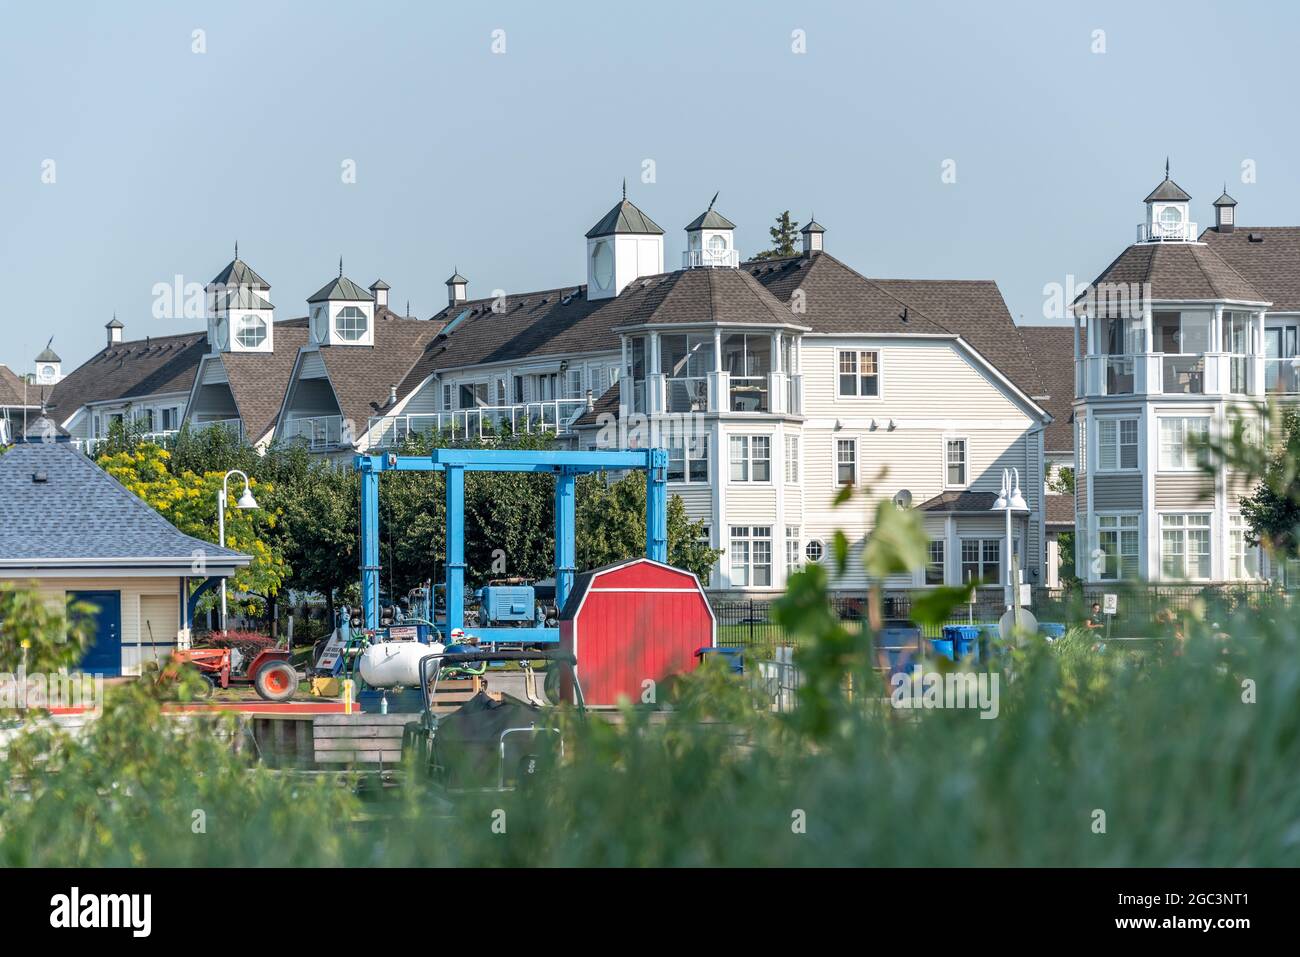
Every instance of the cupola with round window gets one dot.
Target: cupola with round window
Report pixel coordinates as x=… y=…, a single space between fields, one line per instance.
x=625 y=245
x=710 y=241
x=240 y=314
x=342 y=314
x=1168 y=217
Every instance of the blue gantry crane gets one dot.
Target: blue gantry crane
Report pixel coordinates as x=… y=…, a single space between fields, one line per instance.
x=566 y=466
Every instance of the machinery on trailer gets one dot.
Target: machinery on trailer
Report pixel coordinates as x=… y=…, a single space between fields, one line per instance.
x=491 y=742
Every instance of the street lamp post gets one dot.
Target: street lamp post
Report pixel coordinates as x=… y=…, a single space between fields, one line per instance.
x=246 y=501
x=1010 y=500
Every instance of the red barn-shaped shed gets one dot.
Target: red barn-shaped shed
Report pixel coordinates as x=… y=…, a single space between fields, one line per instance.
x=631 y=622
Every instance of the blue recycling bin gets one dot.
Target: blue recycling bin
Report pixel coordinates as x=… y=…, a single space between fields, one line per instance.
x=734 y=657
x=964 y=640
x=941 y=647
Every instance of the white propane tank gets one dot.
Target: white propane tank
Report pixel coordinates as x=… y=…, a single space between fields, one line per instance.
x=390 y=664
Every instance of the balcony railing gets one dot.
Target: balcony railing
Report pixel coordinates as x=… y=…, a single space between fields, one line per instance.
x=698 y=258
x=1119 y=375
x=688 y=394
x=484 y=422
x=1282 y=376
x=1183 y=375
x=1181 y=232
x=321 y=433
x=748 y=394
x=234 y=426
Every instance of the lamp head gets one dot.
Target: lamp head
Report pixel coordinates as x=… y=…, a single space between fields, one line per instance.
x=246 y=500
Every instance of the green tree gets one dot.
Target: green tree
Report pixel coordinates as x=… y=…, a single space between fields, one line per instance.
x=189 y=501
x=783 y=238
x=39 y=635
x=611 y=526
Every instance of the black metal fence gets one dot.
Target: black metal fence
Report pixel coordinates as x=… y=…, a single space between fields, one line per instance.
x=1142 y=610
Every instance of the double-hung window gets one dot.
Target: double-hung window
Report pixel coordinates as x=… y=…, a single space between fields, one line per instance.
x=1178 y=438
x=934 y=563
x=448 y=390
x=859 y=373
x=1117 y=444
x=1243 y=558
x=981 y=560
x=688 y=459
x=846 y=461
x=1185 y=546
x=955 y=463
x=793 y=553
x=751 y=458
x=1117 y=537
x=751 y=555
x=792 y=459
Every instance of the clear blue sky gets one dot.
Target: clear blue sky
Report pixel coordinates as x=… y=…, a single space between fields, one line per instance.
x=497 y=164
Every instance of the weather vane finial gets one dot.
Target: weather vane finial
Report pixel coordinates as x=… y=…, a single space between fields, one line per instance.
x=624 y=189
x=236 y=248
x=713 y=200
x=1166 y=167
x=340 y=267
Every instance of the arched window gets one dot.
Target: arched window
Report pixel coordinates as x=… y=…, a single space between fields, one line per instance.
x=252 y=332
x=351 y=323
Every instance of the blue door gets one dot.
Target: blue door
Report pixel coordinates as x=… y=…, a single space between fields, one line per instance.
x=104 y=651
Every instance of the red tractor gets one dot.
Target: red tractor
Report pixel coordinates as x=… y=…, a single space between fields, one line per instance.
x=269 y=672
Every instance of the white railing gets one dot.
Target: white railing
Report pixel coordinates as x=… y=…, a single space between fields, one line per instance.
x=234 y=426
x=321 y=433
x=1181 y=232
x=702 y=258
x=484 y=422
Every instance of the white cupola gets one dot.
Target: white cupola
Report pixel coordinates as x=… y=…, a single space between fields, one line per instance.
x=813 y=237
x=456 y=286
x=625 y=245
x=342 y=314
x=710 y=240
x=49 y=367
x=240 y=315
x=1168 y=214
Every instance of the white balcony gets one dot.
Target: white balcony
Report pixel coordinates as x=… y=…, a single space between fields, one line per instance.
x=320 y=433
x=704 y=259
x=1282 y=376
x=1181 y=232
x=482 y=422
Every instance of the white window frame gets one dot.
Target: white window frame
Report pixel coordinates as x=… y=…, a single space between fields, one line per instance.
x=746 y=542
x=982 y=542
x=965 y=461
x=793 y=550
x=1241 y=556
x=1165 y=463
x=690 y=451
x=930 y=561
x=749 y=460
x=835 y=452
x=355 y=319
x=1123 y=525
x=1115 y=443
x=449 y=393
x=1184 y=529
x=857 y=356
x=792 y=468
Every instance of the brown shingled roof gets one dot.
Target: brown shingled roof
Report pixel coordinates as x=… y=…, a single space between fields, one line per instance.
x=258 y=380
x=12 y=391
x=1053 y=350
x=128 y=370
x=1179 y=271
x=1268 y=256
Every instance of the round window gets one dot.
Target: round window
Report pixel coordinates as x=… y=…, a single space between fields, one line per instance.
x=1171 y=215
x=48 y=371
x=717 y=245
x=223 y=333
x=351 y=324
x=602 y=265
x=252 y=332
x=320 y=324
x=814 y=550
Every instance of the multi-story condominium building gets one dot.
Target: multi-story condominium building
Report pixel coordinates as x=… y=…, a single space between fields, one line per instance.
x=773 y=383
x=1185 y=331
x=1052 y=349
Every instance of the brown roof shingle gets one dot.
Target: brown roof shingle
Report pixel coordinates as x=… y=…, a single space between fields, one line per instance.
x=1268 y=256
x=1053 y=350
x=1178 y=271
x=128 y=370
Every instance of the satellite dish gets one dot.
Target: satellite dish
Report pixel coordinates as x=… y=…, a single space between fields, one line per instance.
x=903 y=498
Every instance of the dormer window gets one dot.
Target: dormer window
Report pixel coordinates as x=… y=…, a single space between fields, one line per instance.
x=252 y=332
x=351 y=324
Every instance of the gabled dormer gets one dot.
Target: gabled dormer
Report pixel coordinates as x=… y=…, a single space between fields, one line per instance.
x=710 y=241
x=1168 y=214
x=625 y=245
x=342 y=314
x=240 y=315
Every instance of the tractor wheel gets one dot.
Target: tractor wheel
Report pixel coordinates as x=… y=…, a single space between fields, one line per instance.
x=277 y=681
x=203 y=688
